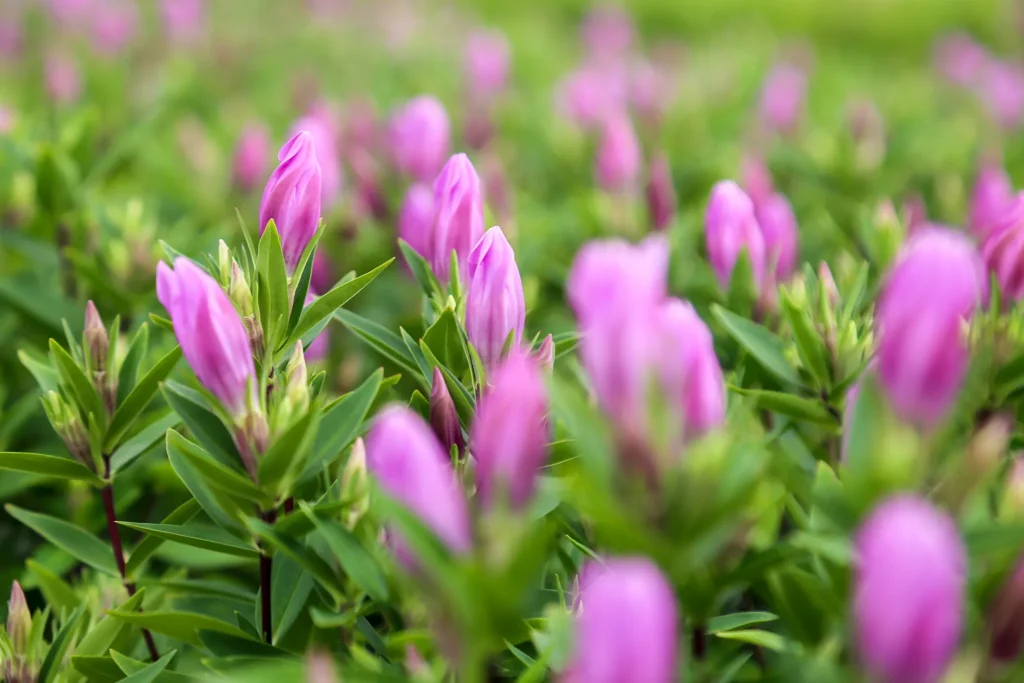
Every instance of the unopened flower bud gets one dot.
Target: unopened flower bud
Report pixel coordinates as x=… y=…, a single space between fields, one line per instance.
x=224 y=261
x=443 y=417
x=238 y=291
x=730 y=228
x=19 y=667
x=354 y=488
x=661 y=195
x=495 y=304
x=779 y=228
x=458 y=215
x=1006 y=617
x=987 y=447
x=69 y=427
x=1003 y=249
x=546 y=353
x=292 y=197
x=419 y=138
x=992 y=195
x=828 y=283
x=297 y=387
x=619 y=157
x=96 y=340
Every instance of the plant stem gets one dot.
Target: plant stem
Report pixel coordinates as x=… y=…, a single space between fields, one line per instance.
x=114 y=530
x=700 y=645
x=266 y=565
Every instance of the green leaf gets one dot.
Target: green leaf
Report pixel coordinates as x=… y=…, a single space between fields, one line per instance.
x=272 y=282
x=225 y=645
x=139 y=398
x=101 y=636
x=58 y=594
x=330 y=302
x=50 y=466
x=218 y=506
x=465 y=404
x=74 y=377
x=288 y=452
x=53 y=664
x=342 y=422
x=96 y=669
x=232 y=482
x=76 y=541
x=45 y=376
x=764 y=346
x=729 y=622
x=299 y=297
x=421 y=270
x=151 y=671
x=183 y=513
x=291 y=589
x=132 y=362
x=381 y=339
x=445 y=340
x=765 y=639
x=305 y=557
x=203 y=424
x=357 y=562
x=146 y=438
x=183 y=626
x=730 y=670
x=809 y=343
x=797 y=407
x=197 y=535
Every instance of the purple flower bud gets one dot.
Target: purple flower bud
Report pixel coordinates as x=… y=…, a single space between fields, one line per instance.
x=1003 y=250
x=779 y=229
x=419 y=138
x=209 y=331
x=184 y=20
x=618 y=156
x=1006 y=617
x=730 y=227
x=650 y=91
x=591 y=94
x=509 y=436
x=690 y=370
x=611 y=275
x=782 y=98
x=113 y=25
x=443 y=416
x=628 y=627
x=251 y=156
x=322 y=279
x=1002 y=91
x=960 y=59
x=11 y=37
x=992 y=195
x=63 y=81
x=495 y=305
x=292 y=197
x=908 y=591
x=458 y=215
x=320 y=128
x=546 y=353
x=416 y=217
x=608 y=33
x=756 y=179
x=487 y=63
x=410 y=466
x=20 y=665
x=661 y=194
x=935 y=286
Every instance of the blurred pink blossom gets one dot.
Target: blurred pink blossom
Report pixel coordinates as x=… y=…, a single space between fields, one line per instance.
x=63 y=81
x=184 y=20
x=591 y=93
x=114 y=23
x=960 y=59
x=1002 y=91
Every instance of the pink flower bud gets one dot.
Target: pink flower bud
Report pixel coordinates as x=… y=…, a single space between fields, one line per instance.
x=114 y=23
x=321 y=130
x=611 y=275
x=458 y=215
x=184 y=20
x=650 y=91
x=991 y=197
x=690 y=370
x=935 y=286
x=908 y=591
x=411 y=467
x=495 y=305
x=960 y=59
x=11 y=37
x=292 y=197
x=416 y=217
x=546 y=353
x=661 y=194
x=487 y=63
x=730 y=227
x=608 y=33
x=63 y=81
x=509 y=436
x=618 y=156
x=443 y=417
x=419 y=138
x=1003 y=250
x=322 y=279
x=251 y=156
x=1002 y=91
x=209 y=331
x=628 y=627
x=756 y=179
x=591 y=94
x=782 y=98
x=778 y=226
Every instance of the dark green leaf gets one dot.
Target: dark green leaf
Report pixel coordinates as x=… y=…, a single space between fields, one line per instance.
x=445 y=340
x=226 y=645
x=420 y=269
x=288 y=452
x=151 y=671
x=764 y=346
x=330 y=302
x=728 y=622
x=139 y=398
x=183 y=513
x=796 y=407
x=203 y=424
x=96 y=669
x=101 y=636
x=53 y=664
x=45 y=376
x=379 y=338
x=75 y=378
x=309 y=560
x=291 y=589
x=78 y=542
x=341 y=423
x=232 y=482
x=219 y=507
x=50 y=466
x=197 y=535
x=132 y=362
x=148 y=437
x=181 y=626
x=357 y=562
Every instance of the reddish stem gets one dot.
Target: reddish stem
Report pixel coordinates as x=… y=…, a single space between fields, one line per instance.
x=266 y=566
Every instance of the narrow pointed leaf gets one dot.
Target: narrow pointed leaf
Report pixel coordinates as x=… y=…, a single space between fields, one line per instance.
x=333 y=300
x=78 y=542
x=51 y=466
x=139 y=398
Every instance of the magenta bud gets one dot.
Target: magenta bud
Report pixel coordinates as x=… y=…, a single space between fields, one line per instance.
x=608 y=33
x=730 y=227
x=546 y=353
x=96 y=339
x=458 y=215
x=756 y=179
x=292 y=197
x=495 y=305
x=320 y=127
x=990 y=199
x=487 y=63
x=410 y=465
x=1003 y=250
x=184 y=20
x=782 y=98
x=416 y=217
x=618 y=156
x=628 y=627
x=322 y=279
x=419 y=138
x=590 y=95
x=1002 y=91
x=690 y=369
x=210 y=333
x=443 y=417
x=251 y=156
x=908 y=591
x=19 y=620
x=960 y=59
x=779 y=229
x=661 y=194
x=509 y=435
x=611 y=275
x=932 y=291
x=114 y=24
x=650 y=91
x=63 y=80
x=1006 y=617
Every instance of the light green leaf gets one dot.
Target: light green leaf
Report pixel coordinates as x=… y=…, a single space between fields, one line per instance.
x=729 y=622
x=197 y=535
x=272 y=282
x=183 y=513
x=809 y=343
x=333 y=300
x=132 y=362
x=183 y=626
x=75 y=378
x=202 y=422
x=764 y=346
x=58 y=594
x=445 y=340
x=219 y=506
x=50 y=466
x=797 y=407
x=382 y=340
x=421 y=270
x=53 y=663
x=45 y=376
x=341 y=423
x=78 y=542
x=139 y=398
x=357 y=562
x=230 y=481
x=146 y=438
x=765 y=639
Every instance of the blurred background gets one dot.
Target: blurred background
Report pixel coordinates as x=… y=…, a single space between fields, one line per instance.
x=125 y=123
